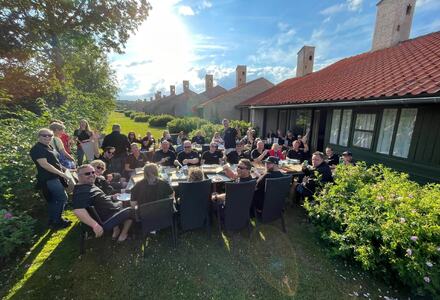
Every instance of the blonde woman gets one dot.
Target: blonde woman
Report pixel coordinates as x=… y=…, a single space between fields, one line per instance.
x=82 y=135
x=65 y=158
x=100 y=180
x=195 y=174
x=151 y=188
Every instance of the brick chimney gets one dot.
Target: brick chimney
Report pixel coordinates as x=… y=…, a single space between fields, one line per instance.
x=185 y=86
x=393 y=22
x=209 y=82
x=240 y=72
x=172 y=90
x=157 y=96
x=306 y=58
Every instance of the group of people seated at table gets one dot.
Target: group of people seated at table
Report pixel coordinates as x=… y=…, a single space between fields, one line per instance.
x=107 y=175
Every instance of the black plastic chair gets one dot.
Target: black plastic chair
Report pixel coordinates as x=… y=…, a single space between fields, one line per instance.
x=194 y=205
x=205 y=147
x=157 y=215
x=276 y=191
x=238 y=202
x=86 y=230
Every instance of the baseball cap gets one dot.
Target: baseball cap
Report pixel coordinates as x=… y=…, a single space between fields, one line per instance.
x=272 y=160
x=347 y=153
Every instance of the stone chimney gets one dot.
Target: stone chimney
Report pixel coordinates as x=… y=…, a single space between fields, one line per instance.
x=306 y=58
x=172 y=90
x=393 y=22
x=240 y=72
x=157 y=96
x=185 y=86
x=209 y=82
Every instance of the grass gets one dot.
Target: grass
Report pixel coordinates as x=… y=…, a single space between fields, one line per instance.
x=267 y=265
x=128 y=125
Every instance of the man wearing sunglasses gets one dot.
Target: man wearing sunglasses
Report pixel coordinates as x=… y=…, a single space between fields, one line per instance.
x=86 y=194
x=212 y=156
x=188 y=157
x=272 y=171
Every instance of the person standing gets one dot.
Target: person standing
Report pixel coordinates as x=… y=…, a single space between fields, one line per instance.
x=120 y=142
x=82 y=135
x=230 y=136
x=50 y=178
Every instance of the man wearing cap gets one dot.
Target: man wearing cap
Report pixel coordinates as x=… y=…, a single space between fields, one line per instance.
x=272 y=171
x=164 y=156
x=121 y=144
x=347 y=158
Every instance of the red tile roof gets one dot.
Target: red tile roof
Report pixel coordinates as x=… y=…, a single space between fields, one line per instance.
x=411 y=68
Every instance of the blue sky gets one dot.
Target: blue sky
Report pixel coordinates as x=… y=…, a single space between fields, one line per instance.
x=184 y=40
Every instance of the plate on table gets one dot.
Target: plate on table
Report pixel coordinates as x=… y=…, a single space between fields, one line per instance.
x=124 y=197
x=212 y=168
x=218 y=178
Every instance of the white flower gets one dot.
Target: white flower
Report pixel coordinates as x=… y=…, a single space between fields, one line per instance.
x=408 y=252
x=414 y=238
x=427 y=279
x=429 y=264
x=402 y=220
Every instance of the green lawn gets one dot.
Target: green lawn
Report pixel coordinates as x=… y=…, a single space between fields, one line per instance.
x=128 y=125
x=267 y=265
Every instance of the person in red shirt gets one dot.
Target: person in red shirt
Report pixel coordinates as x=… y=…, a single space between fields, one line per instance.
x=276 y=151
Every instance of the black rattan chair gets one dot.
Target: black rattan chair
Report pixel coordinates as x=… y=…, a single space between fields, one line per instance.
x=194 y=205
x=276 y=191
x=157 y=215
x=86 y=230
x=237 y=205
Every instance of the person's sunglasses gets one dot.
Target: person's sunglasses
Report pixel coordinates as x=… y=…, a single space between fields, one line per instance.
x=100 y=168
x=111 y=152
x=187 y=147
x=46 y=135
x=89 y=173
x=242 y=167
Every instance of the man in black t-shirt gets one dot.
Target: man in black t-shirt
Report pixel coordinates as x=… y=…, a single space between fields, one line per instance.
x=234 y=156
x=213 y=156
x=188 y=156
x=198 y=138
x=230 y=135
x=121 y=144
x=259 y=154
x=296 y=152
x=164 y=156
x=86 y=194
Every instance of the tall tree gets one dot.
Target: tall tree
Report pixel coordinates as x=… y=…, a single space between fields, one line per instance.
x=48 y=27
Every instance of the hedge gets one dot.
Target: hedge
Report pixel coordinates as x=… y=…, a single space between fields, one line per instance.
x=384 y=221
x=185 y=124
x=160 y=120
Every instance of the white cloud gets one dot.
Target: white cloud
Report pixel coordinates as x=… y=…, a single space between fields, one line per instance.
x=282 y=26
x=186 y=10
x=205 y=4
x=348 y=5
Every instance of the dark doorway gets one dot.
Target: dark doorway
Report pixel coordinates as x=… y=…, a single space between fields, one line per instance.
x=321 y=130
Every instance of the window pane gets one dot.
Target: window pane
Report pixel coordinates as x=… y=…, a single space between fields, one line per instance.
x=334 y=132
x=362 y=139
x=386 y=131
x=365 y=121
x=404 y=132
x=345 y=127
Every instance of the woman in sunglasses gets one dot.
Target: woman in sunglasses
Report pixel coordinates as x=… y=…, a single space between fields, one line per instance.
x=51 y=178
x=100 y=180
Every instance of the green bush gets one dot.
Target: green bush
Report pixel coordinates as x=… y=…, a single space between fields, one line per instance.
x=160 y=120
x=15 y=231
x=208 y=131
x=384 y=221
x=144 y=118
x=185 y=124
x=242 y=126
x=127 y=113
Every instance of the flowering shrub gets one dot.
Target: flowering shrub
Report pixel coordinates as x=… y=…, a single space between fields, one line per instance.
x=384 y=221
x=185 y=124
x=160 y=120
x=15 y=231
